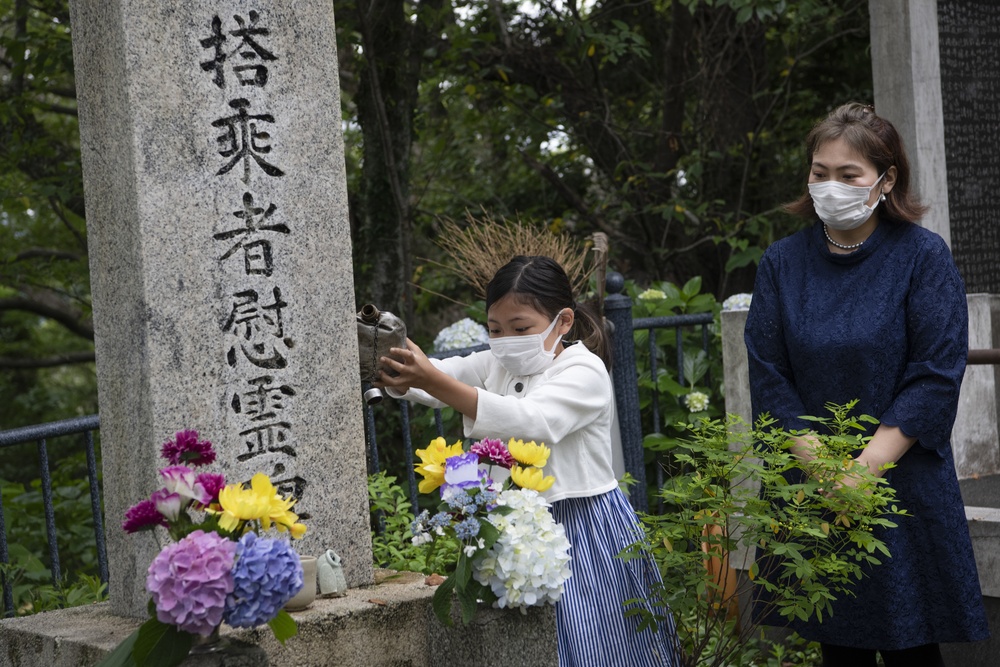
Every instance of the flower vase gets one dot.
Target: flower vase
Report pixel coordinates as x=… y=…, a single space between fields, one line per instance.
x=210 y=644
x=304 y=597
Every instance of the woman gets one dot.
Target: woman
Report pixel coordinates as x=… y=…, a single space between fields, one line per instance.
x=865 y=304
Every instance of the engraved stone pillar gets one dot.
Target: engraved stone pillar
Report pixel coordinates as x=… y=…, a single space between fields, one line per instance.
x=220 y=258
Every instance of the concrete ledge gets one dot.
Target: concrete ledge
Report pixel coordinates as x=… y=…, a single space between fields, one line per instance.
x=984 y=529
x=390 y=624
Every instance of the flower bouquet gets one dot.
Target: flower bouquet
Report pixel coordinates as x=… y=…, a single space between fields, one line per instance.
x=219 y=568
x=512 y=552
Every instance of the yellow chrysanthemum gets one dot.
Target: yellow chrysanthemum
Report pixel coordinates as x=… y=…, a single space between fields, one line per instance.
x=528 y=453
x=280 y=510
x=261 y=502
x=531 y=478
x=241 y=504
x=431 y=465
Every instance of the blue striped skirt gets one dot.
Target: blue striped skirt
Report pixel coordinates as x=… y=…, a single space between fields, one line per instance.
x=592 y=628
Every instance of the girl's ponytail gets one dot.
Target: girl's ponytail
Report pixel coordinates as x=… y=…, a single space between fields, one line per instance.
x=591 y=330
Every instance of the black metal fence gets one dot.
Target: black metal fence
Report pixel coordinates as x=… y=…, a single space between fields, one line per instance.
x=84 y=428
x=618 y=311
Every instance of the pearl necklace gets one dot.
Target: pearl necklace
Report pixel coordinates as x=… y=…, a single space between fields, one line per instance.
x=840 y=245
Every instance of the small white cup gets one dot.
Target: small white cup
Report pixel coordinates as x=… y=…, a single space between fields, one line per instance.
x=305 y=597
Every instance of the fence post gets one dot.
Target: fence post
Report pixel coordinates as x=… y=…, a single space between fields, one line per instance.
x=618 y=311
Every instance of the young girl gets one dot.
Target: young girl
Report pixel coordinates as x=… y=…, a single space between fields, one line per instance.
x=535 y=385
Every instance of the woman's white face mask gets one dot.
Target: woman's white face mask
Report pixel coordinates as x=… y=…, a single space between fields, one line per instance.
x=525 y=355
x=841 y=206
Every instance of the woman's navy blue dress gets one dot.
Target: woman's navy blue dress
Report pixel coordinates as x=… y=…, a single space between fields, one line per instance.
x=886 y=324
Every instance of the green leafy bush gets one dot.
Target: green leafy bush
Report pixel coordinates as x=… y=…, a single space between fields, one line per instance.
x=392 y=548
x=744 y=501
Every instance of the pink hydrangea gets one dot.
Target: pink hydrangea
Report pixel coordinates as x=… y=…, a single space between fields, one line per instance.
x=143 y=516
x=190 y=579
x=493 y=452
x=185 y=448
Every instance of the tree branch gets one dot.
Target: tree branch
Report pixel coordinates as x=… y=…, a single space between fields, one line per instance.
x=66 y=317
x=47 y=253
x=12 y=363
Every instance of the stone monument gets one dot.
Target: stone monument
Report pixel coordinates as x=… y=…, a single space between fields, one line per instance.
x=969 y=43
x=220 y=259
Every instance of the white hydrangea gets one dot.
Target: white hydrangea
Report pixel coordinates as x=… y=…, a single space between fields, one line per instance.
x=737 y=302
x=529 y=564
x=696 y=401
x=652 y=295
x=464 y=333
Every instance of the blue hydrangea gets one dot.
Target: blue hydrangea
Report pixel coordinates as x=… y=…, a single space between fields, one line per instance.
x=459 y=500
x=417 y=525
x=439 y=520
x=467 y=529
x=267 y=574
x=487 y=497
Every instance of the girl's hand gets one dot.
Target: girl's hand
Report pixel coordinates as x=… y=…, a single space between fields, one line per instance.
x=409 y=368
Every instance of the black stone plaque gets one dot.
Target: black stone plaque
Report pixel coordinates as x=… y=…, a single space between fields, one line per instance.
x=969 y=37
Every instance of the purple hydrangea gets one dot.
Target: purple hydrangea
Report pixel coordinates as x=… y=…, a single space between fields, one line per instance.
x=143 y=516
x=185 y=448
x=267 y=575
x=493 y=452
x=190 y=579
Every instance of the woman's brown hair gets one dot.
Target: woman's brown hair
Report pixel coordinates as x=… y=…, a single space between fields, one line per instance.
x=875 y=139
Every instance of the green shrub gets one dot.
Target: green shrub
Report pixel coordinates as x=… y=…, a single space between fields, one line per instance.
x=392 y=548
x=745 y=501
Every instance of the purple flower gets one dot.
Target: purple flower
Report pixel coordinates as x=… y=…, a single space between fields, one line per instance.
x=460 y=472
x=185 y=448
x=212 y=482
x=462 y=469
x=190 y=579
x=167 y=503
x=143 y=516
x=493 y=452
x=183 y=481
x=267 y=575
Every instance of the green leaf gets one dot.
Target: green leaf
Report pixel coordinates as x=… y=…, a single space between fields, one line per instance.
x=441 y=602
x=283 y=626
x=467 y=596
x=160 y=645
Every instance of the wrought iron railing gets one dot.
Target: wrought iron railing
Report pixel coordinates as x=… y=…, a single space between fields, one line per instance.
x=40 y=435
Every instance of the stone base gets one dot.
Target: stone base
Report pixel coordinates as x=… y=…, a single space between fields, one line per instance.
x=390 y=624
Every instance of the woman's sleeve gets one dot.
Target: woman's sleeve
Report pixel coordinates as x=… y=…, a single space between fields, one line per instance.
x=772 y=385
x=567 y=401
x=937 y=329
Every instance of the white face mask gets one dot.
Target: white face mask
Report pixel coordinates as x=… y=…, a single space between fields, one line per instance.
x=841 y=206
x=525 y=355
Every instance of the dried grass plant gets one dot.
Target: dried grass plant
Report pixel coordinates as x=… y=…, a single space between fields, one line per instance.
x=480 y=246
